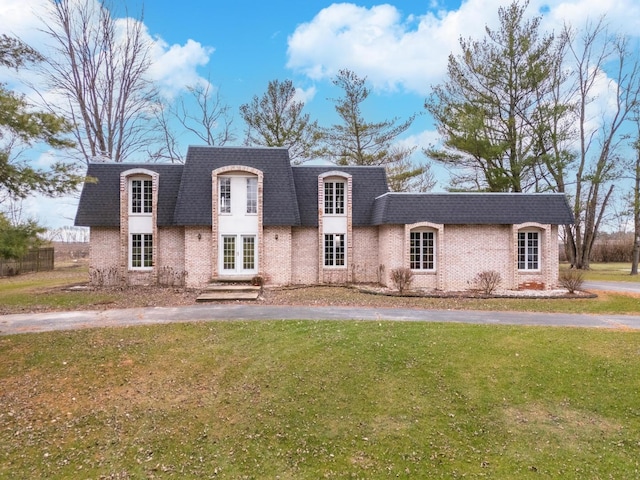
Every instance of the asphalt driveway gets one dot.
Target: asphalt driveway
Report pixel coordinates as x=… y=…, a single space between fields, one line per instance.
x=25 y=323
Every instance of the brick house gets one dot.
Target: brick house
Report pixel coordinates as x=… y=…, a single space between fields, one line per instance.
x=237 y=212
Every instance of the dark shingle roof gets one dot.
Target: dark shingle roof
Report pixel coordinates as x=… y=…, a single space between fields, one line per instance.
x=368 y=183
x=193 y=206
x=290 y=195
x=99 y=204
x=472 y=208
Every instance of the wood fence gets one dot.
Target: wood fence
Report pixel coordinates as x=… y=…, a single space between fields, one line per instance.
x=36 y=260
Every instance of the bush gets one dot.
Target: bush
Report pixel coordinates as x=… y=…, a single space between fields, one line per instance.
x=572 y=279
x=487 y=281
x=402 y=278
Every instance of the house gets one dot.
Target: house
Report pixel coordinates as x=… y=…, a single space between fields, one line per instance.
x=234 y=213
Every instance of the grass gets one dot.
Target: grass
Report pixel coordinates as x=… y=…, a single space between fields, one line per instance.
x=43 y=290
x=303 y=399
x=618 y=272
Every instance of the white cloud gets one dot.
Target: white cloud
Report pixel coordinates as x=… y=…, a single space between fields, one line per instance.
x=410 y=52
x=175 y=67
x=305 y=95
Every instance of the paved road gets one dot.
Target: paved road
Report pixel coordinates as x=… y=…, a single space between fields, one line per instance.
x=24 y=323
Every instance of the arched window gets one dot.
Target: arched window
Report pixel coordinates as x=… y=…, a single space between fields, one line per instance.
x=529 y=250
x=422 y=249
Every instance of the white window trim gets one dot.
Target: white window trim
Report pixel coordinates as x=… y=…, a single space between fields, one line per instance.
x=227 y=211
x=526 y=268
x=142 y=239
x=344 y=251
x=334 y=197
x=141 y=178
x=255 y=183
x=434 y=233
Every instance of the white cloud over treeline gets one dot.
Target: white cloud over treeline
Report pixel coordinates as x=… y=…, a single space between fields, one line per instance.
x=409 y=50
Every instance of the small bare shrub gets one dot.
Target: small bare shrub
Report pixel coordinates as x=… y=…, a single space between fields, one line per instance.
x=380 y=272
x=104 y=277
x=170 y=277
x=402 y=278
x=487 y=281
x=572 y=279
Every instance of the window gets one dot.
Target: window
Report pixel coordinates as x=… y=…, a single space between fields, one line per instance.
x=141 y=196
x=334 y=198
x=334 y=250
x=252 y=195
x=141 y=250
x=224 y=186
x=422 y=250
x=248 y=252
x=528 y=250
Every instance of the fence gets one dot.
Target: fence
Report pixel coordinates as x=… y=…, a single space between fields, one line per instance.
x=36 y=260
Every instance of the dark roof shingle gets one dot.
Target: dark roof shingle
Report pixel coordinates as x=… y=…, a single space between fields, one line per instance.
x=472 y=208
x=99 y=204
x=368 y=183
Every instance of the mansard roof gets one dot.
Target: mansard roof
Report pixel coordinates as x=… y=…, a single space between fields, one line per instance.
x=290 y=194
x=99 y=204
x=367 y=184
x=472 y=208
x=280 y=206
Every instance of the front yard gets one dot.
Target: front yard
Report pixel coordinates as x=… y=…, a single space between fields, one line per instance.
x=65 y=289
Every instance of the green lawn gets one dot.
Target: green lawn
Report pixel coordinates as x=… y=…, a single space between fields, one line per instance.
x=303 y=399
x=619 y=272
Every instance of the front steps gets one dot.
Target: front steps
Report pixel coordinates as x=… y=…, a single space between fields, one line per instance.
x=224 y=292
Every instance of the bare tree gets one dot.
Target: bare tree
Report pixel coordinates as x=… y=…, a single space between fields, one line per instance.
x=598 y=160
x=635 y=202
x=97 y=71
x=203 y=113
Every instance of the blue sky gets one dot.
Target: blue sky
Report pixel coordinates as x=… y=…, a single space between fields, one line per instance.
x=401 y=47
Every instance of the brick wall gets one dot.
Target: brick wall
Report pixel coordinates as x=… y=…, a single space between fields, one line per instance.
x=464 y=251
x=304 y=255
x=103 y=248
x=276 y=264
x=364 y=267
x=170 y=258
x=391 y=250
x=197 y=255
x=471 y=249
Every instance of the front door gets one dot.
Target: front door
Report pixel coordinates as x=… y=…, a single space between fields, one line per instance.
x=238 y=255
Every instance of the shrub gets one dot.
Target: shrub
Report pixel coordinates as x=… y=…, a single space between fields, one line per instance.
x=572 y=279
x=487 y=281
x=380 y=272
x=257 y=281
x=170 y=277
x=402 y=278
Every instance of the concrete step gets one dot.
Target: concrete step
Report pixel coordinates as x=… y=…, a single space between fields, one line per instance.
x=219 y=296
x=245 y=287
x=226 y=292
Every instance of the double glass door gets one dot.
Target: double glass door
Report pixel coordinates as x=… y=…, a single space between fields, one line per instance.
x=238 y=254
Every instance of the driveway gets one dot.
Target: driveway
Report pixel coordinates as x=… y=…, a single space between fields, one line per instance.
x=25 y=323
x=629 y=287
